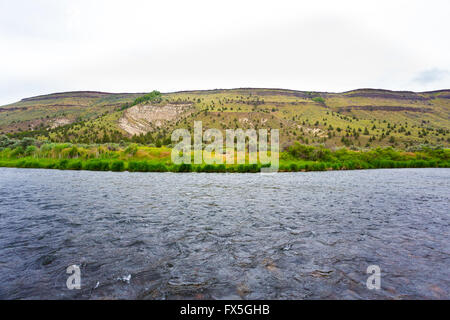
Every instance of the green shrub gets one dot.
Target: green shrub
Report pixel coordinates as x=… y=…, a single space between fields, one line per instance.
x=432 y=163
x=117 y=165
x=30 y=164
x=320 y=166
x=75 y=165
x=50 y=165
x=16 y=152
x=73 y=152
x=20 y=163
x=30 y=150
x=301 y=151
x=386 y=164
x=97 y=165
x=208 y=168
x=62 y=164
x=242 y=168
x=349 y=165
x=132 y=166
x=184 y=167
x=364 y=165
x=444 y=164
x=420 y=163
x=318 y=99
x=156 y=167
x=231 y=169
x=336 y=166
x=131 y=149
x=138 y=166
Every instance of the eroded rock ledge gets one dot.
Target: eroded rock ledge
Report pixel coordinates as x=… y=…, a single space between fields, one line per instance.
x=144 y=118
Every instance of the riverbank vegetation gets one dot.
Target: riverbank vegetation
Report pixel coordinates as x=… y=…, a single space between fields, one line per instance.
x=30 y=153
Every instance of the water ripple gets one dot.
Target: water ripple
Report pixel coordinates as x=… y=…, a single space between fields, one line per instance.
x=225 y=236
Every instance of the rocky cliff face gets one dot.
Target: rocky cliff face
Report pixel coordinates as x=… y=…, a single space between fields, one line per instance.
x=145 y=118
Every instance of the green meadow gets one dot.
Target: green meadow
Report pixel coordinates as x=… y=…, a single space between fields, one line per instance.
x=29 y=153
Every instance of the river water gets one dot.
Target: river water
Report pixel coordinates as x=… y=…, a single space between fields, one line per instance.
x=225 y=236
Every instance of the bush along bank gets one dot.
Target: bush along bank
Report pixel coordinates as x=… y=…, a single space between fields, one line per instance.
x=138 y=158
x=149 y=166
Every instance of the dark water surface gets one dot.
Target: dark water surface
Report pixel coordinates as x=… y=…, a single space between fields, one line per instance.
x=225 y=236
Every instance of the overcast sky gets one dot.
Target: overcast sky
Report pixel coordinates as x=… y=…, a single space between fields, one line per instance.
x=138 y=46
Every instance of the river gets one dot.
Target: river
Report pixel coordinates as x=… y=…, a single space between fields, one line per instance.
x=305 y=235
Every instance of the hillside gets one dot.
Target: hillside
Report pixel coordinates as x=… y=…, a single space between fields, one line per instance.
x=362 y=118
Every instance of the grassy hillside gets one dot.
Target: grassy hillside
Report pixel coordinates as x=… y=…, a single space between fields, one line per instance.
x=359 y=119
x=49 y=111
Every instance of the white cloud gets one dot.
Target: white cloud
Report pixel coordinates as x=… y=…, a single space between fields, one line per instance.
x=431 y=76
x=136 y=46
